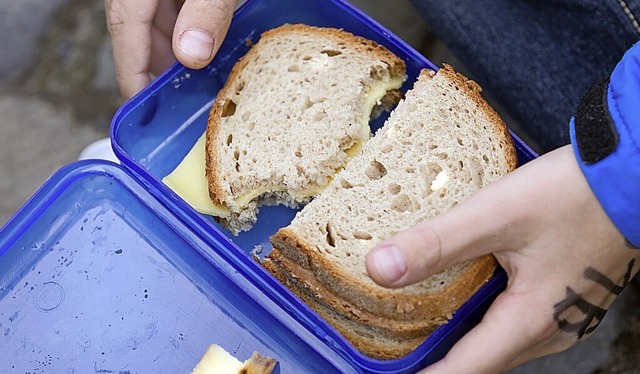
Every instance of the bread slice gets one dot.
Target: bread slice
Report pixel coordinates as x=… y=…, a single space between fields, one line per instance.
x=305 y=282
x=374 y=341
x=441 y=144
x=292 y=113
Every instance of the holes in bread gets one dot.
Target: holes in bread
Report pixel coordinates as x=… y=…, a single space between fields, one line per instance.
x=429 y=173
x=403 y=203
x=331 y=52
x=307 y=103
x=228 y=108
x=229 y=139
x=362 y=235
x=476 y=165
x=331 y=235
x=319 y=116
x=387 y=148
x=434 y=168
x=395 y=188
x=345 y=184
x=375 y=170
x=341 y=235
x=293 y=68
x=239 y=87
x=378 y=72
x=236 y=156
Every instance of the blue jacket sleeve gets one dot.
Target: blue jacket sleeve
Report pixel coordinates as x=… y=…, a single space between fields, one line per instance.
x=605 y=134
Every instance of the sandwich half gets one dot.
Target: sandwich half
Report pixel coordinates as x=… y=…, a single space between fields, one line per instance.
x=442 y=143
x=294 y=110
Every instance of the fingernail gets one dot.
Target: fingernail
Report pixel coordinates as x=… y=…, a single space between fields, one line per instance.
x=197 y=44
x=389 y=262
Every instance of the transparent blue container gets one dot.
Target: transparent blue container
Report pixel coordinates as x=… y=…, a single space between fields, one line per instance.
x=105 y=268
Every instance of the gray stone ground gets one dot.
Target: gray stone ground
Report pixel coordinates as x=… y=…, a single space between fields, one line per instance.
x=58 y=94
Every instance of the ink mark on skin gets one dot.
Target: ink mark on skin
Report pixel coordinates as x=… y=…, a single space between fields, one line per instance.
x=593 y=314
x=604 y=281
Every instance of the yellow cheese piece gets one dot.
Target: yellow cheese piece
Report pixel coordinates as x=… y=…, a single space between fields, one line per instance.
x=375 y=94
x=189 y=181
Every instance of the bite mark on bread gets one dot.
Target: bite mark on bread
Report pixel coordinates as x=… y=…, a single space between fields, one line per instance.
x=296 y=82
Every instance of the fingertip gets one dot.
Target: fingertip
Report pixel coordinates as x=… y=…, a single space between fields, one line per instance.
x=199 y=30
x=195 y=48
x=386 y=265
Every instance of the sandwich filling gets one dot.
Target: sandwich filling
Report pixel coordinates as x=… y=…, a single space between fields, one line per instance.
x=188 y=180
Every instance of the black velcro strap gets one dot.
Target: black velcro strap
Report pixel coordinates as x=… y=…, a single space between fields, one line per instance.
x=596 y=134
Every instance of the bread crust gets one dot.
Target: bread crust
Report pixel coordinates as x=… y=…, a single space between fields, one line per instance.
x=474 y=91
x=384 y=302
x=369 y=342
x=304 y=281
x=396 y=67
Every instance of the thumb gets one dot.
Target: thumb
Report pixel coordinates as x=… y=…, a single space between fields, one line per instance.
x=200 y=29
x=458 y=235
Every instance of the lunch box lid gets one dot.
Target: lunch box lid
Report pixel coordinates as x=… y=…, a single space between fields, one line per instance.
x=100 y=272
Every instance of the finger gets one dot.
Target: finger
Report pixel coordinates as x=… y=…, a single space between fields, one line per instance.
x=166 y=17
x=509 y=334
x=463 y=233
x=200 y=28
x=162 y=53
x=161 y=33
x=129 y=23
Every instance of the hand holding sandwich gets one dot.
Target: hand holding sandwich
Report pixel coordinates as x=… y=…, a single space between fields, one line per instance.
x=566 y=262
x=148 y=36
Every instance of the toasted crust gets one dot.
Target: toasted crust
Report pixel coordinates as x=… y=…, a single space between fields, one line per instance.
x=385 y=302
x=368 y=341
x=396 y=67
x=303 y=281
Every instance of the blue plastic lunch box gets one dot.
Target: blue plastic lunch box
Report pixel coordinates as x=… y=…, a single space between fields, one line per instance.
x=106 y=270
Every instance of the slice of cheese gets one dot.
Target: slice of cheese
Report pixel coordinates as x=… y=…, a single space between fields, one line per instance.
x=217 y=361
x=374 y=97
x=189 y=180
